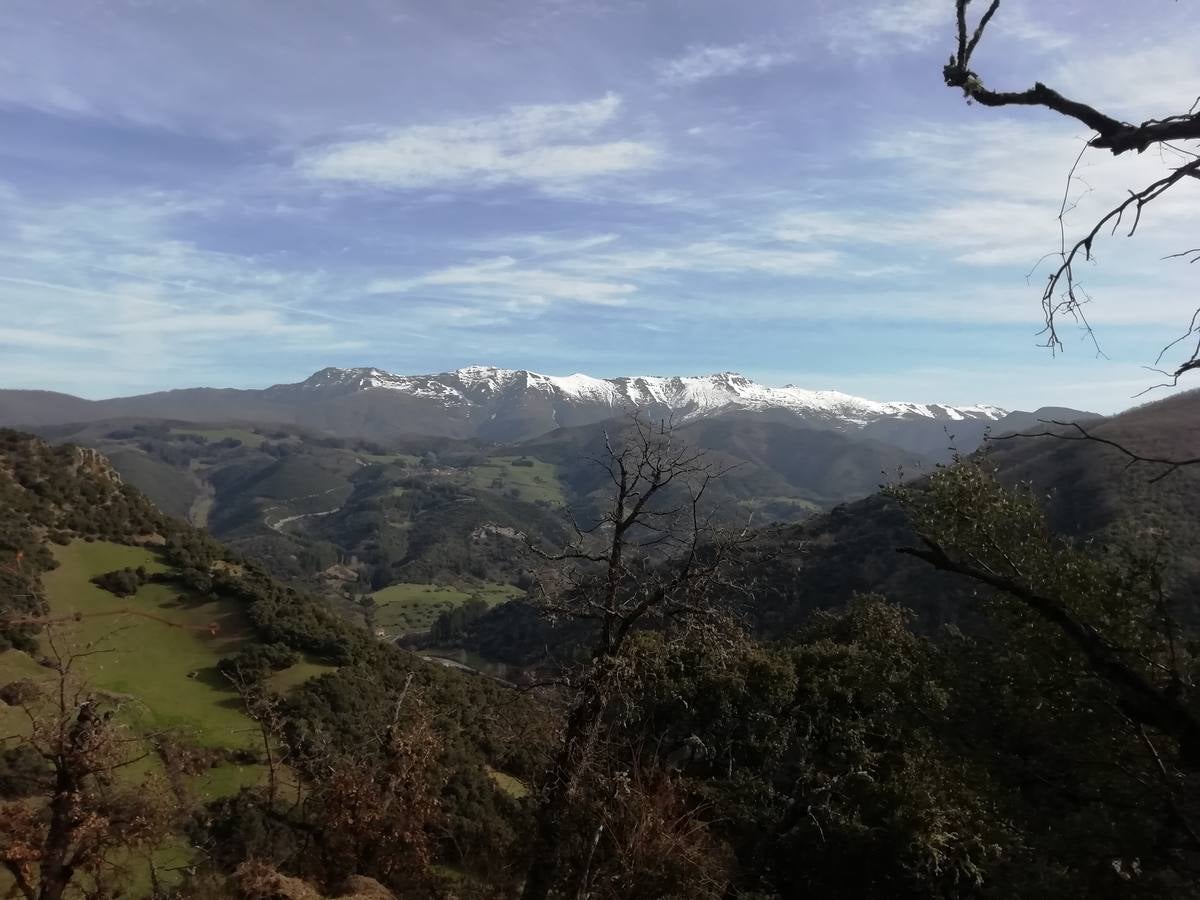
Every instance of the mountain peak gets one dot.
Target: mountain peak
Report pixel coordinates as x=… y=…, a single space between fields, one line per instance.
x=685 y=397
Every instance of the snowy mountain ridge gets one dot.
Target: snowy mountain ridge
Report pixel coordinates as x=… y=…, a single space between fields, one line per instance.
x=687 y=397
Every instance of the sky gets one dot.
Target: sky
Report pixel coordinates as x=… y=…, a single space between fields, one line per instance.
x=198 y=192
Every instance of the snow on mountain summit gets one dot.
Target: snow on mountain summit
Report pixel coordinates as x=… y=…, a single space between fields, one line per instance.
x=686 y=397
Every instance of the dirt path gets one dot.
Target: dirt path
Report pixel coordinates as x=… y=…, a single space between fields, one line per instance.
x=279 y=523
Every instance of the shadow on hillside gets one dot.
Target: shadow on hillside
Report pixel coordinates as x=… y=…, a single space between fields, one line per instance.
x=211 y=677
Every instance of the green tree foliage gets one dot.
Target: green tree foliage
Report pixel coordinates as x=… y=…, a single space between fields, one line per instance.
x=61 y=493
x=258 y=661
x=821 y=761
x=1081 y=690
x=452 y=624
x=122 y=582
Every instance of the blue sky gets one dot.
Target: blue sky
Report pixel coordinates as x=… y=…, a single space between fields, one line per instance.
x=238 y=194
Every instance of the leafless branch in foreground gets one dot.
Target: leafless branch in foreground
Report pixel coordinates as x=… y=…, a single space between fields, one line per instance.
x=1063 y=295
x=1079 y=433
x=657 y=555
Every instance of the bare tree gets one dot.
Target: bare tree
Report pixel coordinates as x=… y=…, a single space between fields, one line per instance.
x=265 y=708
x=656 y=555
x=81 y=811
x=370 y=810
x=1063 y=297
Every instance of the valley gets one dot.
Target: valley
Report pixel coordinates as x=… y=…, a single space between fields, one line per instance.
x=350 y=517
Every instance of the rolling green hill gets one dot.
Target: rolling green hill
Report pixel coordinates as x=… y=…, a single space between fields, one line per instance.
x=160 y=649
x=192 y=609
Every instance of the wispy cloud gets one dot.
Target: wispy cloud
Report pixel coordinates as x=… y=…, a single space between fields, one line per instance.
x=28 y=337
x=872 y=29
x=598 y=274
x=548 y=146
x=106 y=282
x=702 y=62
x=503 y=278
x=748 y=256
x=907 y=23
x=541 y=180
x=544 y=244
x=1151 y=81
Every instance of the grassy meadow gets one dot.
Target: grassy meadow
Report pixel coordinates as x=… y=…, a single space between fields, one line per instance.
x=409 y=607
x=530 y=483
x=161 y=646
x=160 y=652
x=283 y=681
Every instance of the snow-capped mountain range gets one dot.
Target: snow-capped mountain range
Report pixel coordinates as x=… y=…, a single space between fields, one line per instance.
x=686 y=397
x=507 y=405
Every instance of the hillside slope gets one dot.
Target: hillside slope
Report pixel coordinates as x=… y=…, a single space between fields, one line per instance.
x=436 y=509
x=1090 y=491
x=165 y=612
x=1091 y=494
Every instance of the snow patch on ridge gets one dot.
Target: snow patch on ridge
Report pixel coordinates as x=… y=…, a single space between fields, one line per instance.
x=687 y=397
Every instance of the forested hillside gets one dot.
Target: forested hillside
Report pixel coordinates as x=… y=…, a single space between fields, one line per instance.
x=218 y=681
x=1090 y=491
x=355 y=519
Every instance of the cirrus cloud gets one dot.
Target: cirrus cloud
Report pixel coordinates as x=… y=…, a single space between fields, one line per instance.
x=701 y=63
x=549 y=145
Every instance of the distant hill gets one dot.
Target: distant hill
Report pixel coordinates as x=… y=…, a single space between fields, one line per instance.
x=422 y=510
x=780 y=470
x=1091 y=493
x=437 y=509
x=31 y=409
x=506 y=405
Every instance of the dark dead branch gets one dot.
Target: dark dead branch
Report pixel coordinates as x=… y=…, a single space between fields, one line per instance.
x=1079 y=433
x=1112 y=134
x=1063 y=296
x=1141 y=699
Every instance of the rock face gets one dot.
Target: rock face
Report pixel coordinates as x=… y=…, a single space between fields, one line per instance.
x=258 y=881
x=89 y=461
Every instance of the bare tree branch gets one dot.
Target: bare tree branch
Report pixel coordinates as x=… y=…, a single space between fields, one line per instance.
x=660 y=559
x=1112 y=134
x=1063 y=295
x=1142 y=700
x=1082 y=434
